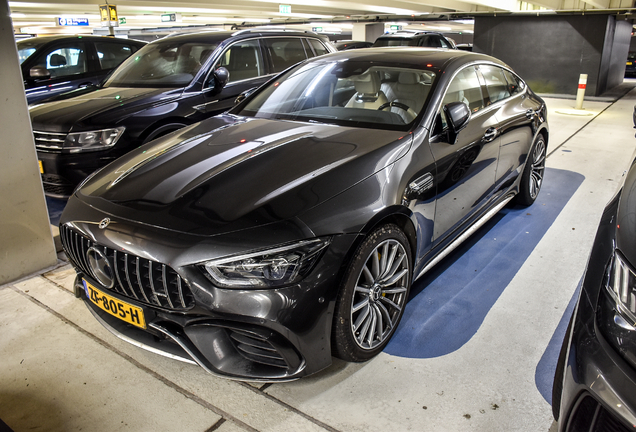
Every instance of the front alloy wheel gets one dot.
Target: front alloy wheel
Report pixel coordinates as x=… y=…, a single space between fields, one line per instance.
x=372 y=301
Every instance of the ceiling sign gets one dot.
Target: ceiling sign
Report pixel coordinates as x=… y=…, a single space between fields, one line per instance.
x=284 y=9
x=108 y=12
x=72 y=22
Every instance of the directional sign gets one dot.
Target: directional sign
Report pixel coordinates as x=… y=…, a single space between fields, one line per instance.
x=284 y=9
x=72 y=22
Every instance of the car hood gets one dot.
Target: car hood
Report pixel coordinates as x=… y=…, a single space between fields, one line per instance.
x=230 y=173
x=98 y=108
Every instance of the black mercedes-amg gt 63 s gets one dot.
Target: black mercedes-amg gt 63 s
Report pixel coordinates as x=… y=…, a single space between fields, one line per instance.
x=263 y=241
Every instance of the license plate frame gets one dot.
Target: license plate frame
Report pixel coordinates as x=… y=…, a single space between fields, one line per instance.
x=125 y=311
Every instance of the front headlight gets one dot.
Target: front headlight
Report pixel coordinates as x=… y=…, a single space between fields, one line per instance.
x=270 y=268
x=622 y=288
x=92 y=140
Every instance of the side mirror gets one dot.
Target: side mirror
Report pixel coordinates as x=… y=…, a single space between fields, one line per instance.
x=39 y=72
x=240 y=98
x=221 y=77
x=457 y=114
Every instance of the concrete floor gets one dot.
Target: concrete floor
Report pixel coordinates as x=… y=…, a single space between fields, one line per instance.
x=475 y=351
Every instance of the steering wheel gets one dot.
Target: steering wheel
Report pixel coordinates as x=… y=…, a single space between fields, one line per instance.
x=400 y=105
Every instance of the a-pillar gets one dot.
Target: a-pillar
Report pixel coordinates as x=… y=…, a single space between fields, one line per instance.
x=26 y=243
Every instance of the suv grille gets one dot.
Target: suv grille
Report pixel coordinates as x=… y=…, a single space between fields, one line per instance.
x=49 y=140
x=57 y=185
x=590 y=416
x=146 y=281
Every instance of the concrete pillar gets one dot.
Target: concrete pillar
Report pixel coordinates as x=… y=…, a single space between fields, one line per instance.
x=26 y=243
x=550 y=52
x=367 y=32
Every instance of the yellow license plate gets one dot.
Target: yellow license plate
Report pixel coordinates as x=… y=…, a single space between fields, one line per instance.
x=629 y=63
x=124 y=311
x=41 y=167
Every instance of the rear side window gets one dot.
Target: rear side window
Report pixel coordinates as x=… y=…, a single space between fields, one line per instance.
x=243 y=61
x=319 y=48
x=285 y=52
x=495 y=83
x=466 y=88
x=111 y=55
x=515 y=85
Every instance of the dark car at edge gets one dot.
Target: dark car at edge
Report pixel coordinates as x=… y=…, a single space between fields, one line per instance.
x=168 y=84
x=52 y=65
x=595 y=380
x=262 y=242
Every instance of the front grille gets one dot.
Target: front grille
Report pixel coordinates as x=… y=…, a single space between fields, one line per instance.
x=257 y=349
x=49 y=140
x=137 y=278
x=56 y=185
x=590 y=416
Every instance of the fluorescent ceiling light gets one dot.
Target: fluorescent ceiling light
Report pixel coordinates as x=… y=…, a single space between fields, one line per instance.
x=18 y=15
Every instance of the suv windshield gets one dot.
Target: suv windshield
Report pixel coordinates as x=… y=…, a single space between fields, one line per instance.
x=162 y=64
x=26 y=48
x=361 y=94
x=395 y=41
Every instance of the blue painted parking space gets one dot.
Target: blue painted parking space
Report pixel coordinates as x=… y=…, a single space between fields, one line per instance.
x=450 y=303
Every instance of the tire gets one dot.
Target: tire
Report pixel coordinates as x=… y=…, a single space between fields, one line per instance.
x=532 y=176
x=557 y=385
x=373 y=294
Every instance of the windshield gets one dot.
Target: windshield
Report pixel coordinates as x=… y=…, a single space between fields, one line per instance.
x=162 y=64
x=352 y=93
x=26 y=48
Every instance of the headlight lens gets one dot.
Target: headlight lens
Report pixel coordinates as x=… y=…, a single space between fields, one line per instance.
x=92 y=140
x=271 y=268
x=622 y=288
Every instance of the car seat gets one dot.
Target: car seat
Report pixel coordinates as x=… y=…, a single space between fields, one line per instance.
x=368 y=92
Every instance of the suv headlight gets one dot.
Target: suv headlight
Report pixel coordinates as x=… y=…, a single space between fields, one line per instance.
x=622 y=288
x=92 y=140
x=270 y=268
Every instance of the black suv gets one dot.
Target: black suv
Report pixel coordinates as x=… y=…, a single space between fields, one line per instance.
x=168 y=84
x=419 y=39
x=56 y=64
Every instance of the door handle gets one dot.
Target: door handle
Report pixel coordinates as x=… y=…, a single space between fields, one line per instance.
x=530 y=113
x=491 y=134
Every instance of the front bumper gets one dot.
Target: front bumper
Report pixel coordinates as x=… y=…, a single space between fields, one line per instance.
x=255 y=335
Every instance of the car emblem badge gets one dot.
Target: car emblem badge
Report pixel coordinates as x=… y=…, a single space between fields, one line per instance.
x=104 y=223
x=100 y=267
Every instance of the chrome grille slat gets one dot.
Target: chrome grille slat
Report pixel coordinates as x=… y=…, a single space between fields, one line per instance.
x=49 y=140
x=130 y=273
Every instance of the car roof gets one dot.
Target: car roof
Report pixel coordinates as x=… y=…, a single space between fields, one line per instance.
x=408 y=35
x=416 y=57
x=52 y=38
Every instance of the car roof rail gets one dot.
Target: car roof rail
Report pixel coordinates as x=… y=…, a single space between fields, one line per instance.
x=270 y=29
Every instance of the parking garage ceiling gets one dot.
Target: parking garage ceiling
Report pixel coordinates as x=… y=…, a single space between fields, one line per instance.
x=329 y=15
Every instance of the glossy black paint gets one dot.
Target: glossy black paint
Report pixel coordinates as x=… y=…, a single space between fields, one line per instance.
x=40 y=88
x=146 y=113
x=234 y=184
x=601 y=354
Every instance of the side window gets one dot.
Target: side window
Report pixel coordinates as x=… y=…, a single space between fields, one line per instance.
x=465 y=88
x=285 y=52
x=65 y=61
x=443 y=43
x=243 y=61
x=111 y=55
x=426 y=41
x=318 y=47
x=515 y=85
x=495 y=83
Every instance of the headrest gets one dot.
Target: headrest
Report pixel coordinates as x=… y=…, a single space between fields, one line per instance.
x=58 y=60
x=368 y=83
x=408 y=78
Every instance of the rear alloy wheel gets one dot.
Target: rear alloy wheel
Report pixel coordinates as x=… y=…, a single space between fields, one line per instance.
x=371 y=302
x=532 y=177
